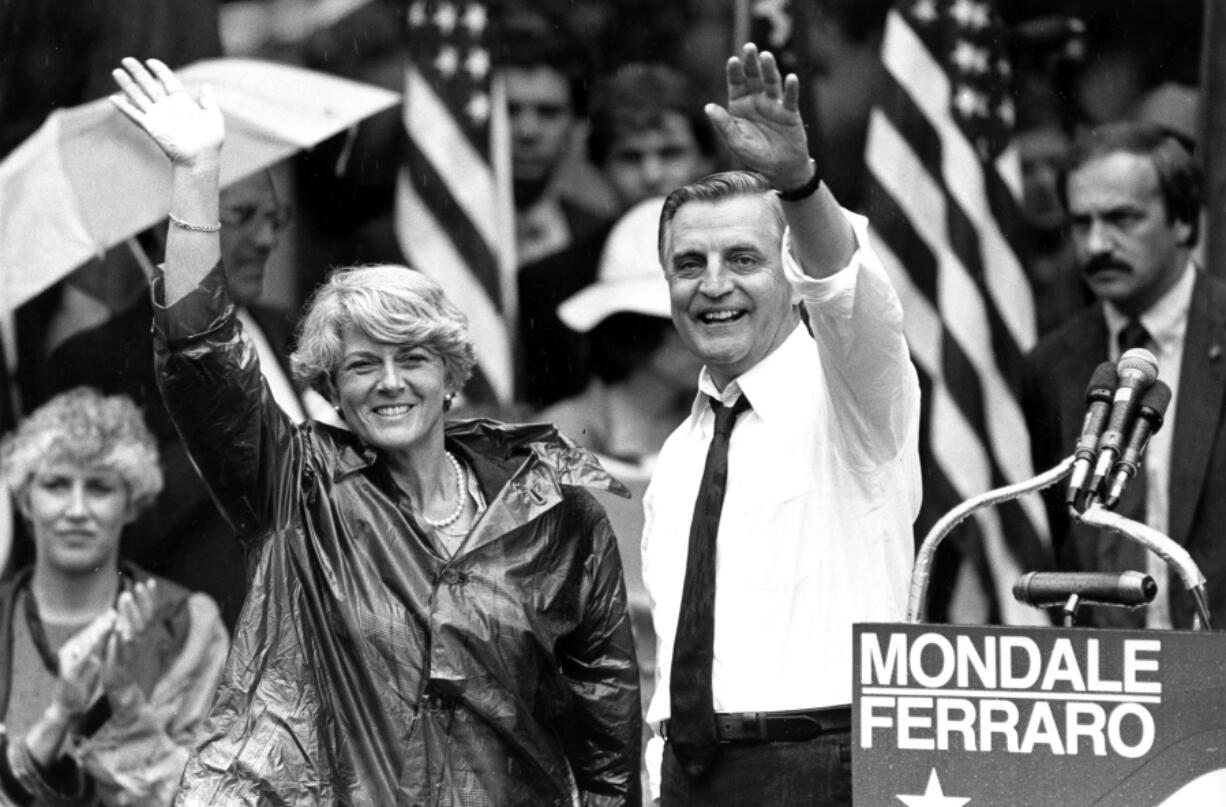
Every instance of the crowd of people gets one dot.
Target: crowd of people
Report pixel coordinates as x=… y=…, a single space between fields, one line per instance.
x=637 y=584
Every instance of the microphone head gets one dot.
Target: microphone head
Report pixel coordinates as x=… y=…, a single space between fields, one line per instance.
x=1156 y=399
x=1102 y=383
x=1140 y=363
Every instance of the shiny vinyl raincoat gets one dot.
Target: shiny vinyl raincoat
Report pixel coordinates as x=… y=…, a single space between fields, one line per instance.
x=367 y=669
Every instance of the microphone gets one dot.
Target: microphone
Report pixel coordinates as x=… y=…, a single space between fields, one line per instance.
x=1149 y=420
x=1049 y=589
x=1138 y=369
x=1098 y=406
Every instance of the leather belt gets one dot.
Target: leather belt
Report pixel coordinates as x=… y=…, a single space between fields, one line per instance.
x=769 y=727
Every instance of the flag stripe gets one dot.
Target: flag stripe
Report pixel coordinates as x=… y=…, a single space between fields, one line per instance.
x=925 y=80
x=453 y=196
x=462 y=168
x=433 y=249
x=953 y=377
x=924 y=141
x=472 y=249
x=941 y=198
x=898 y=173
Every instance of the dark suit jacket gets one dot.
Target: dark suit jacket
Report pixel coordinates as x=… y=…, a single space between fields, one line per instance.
x=1057 y=372
x=182 y=535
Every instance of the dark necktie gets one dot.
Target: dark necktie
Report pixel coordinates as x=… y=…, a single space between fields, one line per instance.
x=1132 y=335
x=691 y=730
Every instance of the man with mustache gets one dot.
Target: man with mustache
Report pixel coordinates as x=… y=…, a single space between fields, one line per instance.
x=1133 y=192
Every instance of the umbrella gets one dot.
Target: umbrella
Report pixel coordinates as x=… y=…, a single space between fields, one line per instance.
x=88 y=178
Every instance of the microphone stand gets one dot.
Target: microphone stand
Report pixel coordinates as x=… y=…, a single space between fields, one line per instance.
x=922 y=571
x=1161 y=545
x=1096 y=515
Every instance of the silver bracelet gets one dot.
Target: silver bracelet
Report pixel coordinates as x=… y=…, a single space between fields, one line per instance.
x=195 y=228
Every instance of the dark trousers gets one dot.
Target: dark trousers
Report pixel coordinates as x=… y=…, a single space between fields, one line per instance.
x=814 y=773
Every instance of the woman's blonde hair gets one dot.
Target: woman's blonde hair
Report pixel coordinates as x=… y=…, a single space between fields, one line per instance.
x=390 y=304
x=85 y=428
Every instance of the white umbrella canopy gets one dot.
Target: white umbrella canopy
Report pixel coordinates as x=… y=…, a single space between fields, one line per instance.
x=88 y=178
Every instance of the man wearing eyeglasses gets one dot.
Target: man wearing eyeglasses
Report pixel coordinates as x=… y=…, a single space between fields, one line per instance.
x=182 y=536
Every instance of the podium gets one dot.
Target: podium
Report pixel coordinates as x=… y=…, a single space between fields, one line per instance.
x=947 y=715
x=987 y=716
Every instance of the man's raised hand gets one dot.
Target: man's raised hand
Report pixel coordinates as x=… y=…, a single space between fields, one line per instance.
x=761 y=125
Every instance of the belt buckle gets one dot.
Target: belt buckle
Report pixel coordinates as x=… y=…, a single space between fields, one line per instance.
x=759 y=719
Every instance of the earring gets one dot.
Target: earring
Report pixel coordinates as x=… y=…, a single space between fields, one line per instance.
x=448 y=399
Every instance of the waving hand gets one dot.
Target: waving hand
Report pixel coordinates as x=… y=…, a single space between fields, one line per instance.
x=187 y=129
x=761 y=125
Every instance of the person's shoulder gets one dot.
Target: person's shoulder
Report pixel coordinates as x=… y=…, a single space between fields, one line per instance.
x=128 y=325
x=574 y=417
x=278 y=326
x=1209 y=284
x=581 y=255
x=1070 y=336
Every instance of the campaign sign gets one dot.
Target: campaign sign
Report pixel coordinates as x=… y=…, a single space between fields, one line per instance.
x=951 y=715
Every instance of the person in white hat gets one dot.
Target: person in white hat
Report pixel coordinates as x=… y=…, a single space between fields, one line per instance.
x=643 y=375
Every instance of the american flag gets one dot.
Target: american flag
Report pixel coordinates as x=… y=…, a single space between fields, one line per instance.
x=943 y=191
x=454 y=215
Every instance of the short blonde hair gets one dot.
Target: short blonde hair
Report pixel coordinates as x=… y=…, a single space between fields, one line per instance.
x=83 y=427
x=389 y=303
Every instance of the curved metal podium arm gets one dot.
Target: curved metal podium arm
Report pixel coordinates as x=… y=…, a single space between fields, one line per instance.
x=1161 y=545
x=927 y=551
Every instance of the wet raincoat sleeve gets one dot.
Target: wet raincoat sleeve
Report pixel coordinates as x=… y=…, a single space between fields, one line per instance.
x=598 y=663
x=236 y=436
x=137 y=757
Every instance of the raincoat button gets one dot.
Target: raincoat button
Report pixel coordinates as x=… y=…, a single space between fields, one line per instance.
x=454 y=577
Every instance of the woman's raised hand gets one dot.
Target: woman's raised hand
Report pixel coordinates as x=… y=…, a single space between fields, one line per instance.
x=80 y=665
x=189 y=130
x=134 y=614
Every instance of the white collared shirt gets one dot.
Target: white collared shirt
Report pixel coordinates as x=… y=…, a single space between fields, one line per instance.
x=823 y=486
x=1167 y=324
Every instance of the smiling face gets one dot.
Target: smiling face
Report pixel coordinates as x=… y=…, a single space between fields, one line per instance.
x=391 y=395
x=76 y=515
x=731 y=303
x=1130 y=249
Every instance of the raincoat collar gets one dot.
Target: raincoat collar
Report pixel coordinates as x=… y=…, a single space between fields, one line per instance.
x=521 y=469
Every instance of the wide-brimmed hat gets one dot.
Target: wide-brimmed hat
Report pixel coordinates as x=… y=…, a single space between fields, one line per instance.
x=629 y=278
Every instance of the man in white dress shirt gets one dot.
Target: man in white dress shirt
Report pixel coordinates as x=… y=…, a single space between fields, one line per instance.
x=822 y=471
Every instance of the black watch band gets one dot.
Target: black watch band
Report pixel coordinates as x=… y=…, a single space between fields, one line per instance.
x=804 y=191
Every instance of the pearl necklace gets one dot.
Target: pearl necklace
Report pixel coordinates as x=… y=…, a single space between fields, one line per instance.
x=461 y=483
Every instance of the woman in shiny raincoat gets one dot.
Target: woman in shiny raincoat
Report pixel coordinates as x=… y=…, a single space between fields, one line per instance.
x=437 y=614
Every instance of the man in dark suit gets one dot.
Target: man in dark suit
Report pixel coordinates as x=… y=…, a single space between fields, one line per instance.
x=1134 y=192
x=182 y=535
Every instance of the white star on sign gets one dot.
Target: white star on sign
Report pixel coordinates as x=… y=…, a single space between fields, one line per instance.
x=933 y=796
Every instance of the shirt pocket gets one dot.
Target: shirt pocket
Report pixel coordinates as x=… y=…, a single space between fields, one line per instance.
x=772 y=544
